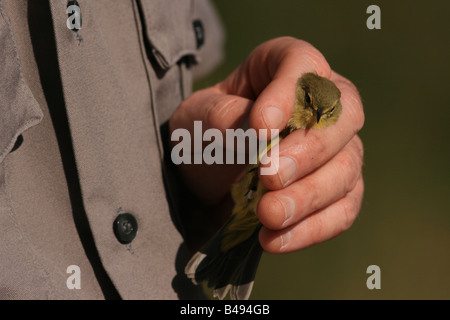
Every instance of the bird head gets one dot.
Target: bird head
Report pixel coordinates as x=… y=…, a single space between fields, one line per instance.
x=317 y=103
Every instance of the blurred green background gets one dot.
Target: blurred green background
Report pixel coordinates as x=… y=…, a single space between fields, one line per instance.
x=402 y=74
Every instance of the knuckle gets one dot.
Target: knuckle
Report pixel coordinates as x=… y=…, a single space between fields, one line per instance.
x=350 y=178
x=348 y=214
x=359 y=146
x=359 y=119
x=318 y=60
x=350 y=167
x=310 y=56
x=212 y=113
x=220 y=114
x=216 y=112
x=353 y=104
x=318 y=227
x=357 y=114
x=347 y=160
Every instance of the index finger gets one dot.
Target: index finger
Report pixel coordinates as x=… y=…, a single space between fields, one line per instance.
x=286 y=61
x=269 y=76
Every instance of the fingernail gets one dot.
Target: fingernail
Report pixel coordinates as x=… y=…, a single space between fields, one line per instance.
x=273 y=117
x=289 y=208
x=285 y=238
x=287 y=169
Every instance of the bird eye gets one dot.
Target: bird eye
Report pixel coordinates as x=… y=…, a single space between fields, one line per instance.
x=307 y=98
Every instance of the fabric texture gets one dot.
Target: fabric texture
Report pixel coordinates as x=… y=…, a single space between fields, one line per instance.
x=90 y=115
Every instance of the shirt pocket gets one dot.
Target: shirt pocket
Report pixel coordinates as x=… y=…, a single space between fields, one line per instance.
x=19 y=109
x=173 y=36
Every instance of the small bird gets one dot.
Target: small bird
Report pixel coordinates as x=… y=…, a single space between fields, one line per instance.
x=229 y=260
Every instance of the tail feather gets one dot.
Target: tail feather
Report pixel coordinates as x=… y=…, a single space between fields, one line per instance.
x=232 y=271
x=193 y=264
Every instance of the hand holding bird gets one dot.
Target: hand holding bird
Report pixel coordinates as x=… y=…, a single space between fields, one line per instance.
x=228 y=262
x=317 y=191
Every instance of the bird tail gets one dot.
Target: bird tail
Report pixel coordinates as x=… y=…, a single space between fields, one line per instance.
x=230 y=271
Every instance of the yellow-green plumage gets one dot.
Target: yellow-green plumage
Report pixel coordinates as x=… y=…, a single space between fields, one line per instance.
x=246 y=194
x=317 y=103
x=228 y=262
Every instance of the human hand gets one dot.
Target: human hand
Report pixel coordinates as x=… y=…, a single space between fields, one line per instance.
x=317 y=192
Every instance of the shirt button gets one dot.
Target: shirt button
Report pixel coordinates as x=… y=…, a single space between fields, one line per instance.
x=199 y=33
x=125 y=228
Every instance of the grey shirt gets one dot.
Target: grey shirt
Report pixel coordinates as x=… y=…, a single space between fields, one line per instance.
x=80 y=144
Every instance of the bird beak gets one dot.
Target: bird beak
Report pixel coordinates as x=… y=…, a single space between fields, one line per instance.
x=319 y=114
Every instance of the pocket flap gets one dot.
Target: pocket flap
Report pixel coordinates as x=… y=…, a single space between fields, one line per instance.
x=172 y=30
x=19 y=110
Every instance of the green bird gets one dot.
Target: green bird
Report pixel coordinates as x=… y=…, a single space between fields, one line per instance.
x=229 y=261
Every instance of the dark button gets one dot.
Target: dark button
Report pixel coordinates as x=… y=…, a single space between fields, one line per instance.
x=125 y=228
x=18 y=143
x=199 y=33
